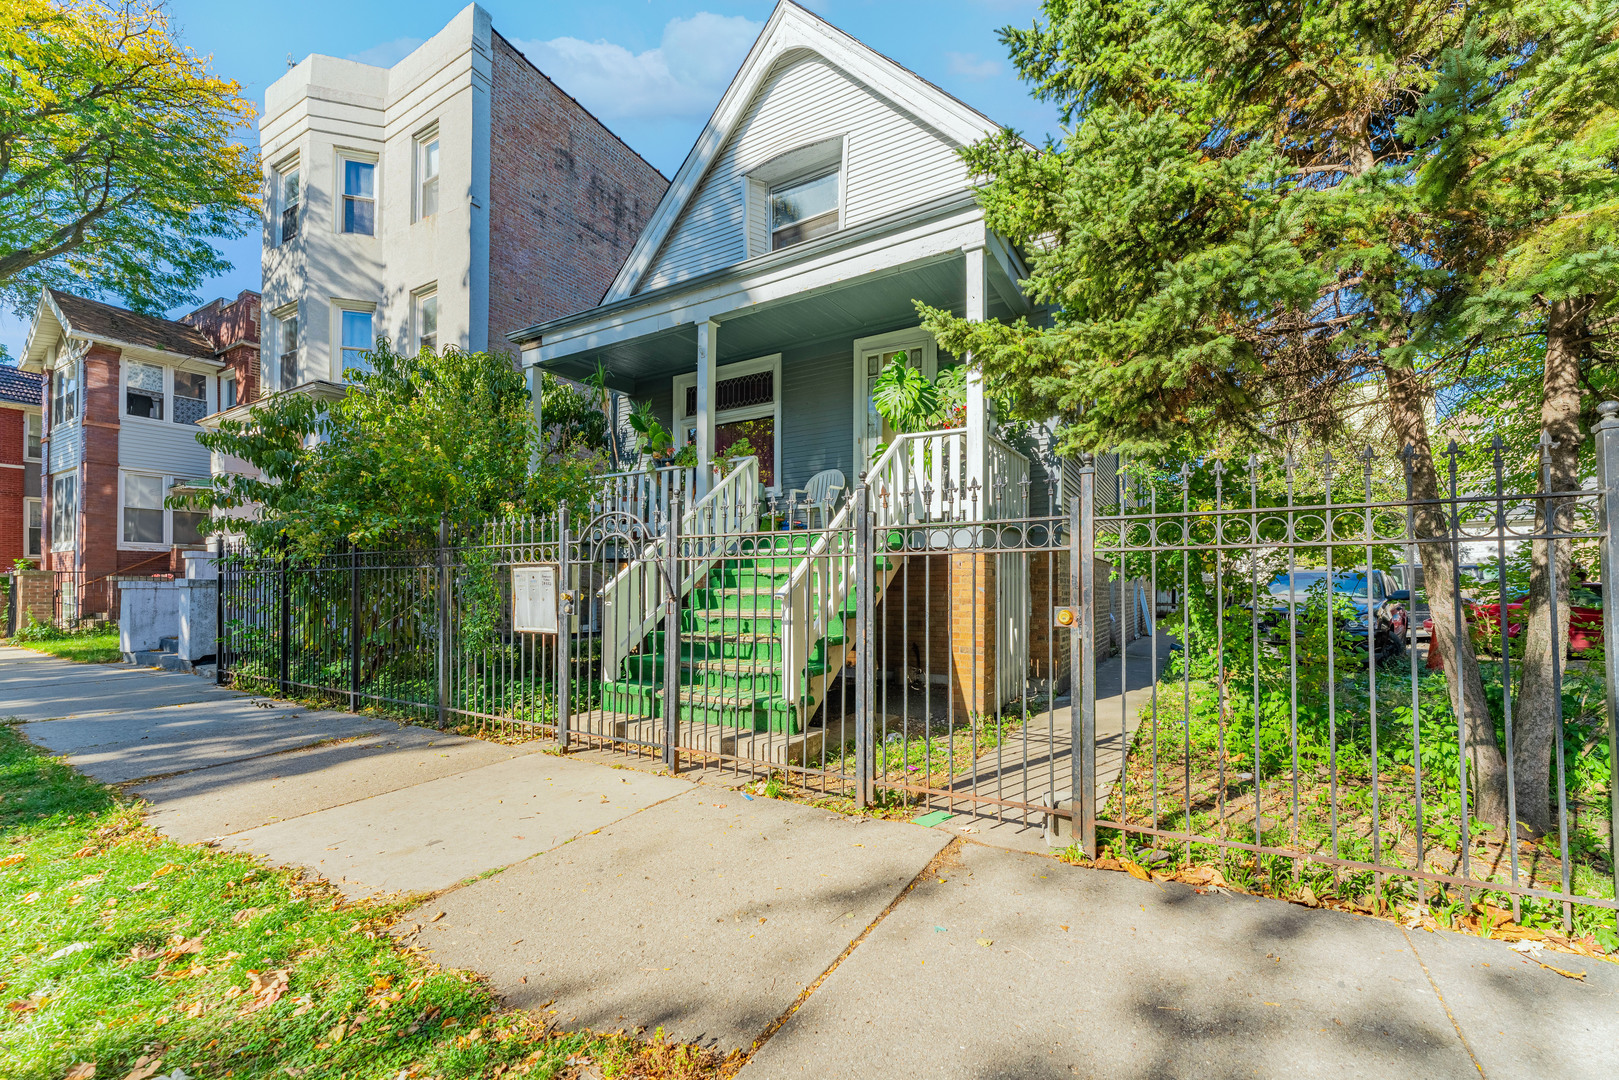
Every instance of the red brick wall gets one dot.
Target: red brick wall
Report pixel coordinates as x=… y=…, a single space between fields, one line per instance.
x=98 y=477
x=11 y=487
x=234 y=328
x=567 y=200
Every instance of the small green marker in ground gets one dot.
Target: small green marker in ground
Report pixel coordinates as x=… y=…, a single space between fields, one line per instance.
x=938 y=817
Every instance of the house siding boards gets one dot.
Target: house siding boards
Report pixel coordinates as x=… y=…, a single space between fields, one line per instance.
x=816 y=425
x=892 y=159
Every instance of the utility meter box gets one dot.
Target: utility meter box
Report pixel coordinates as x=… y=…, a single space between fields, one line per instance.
x=536 y=599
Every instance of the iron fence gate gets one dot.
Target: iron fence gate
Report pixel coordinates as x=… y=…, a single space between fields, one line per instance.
x=1213 y=659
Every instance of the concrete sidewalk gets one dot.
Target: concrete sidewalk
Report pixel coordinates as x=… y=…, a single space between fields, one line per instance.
x=612 y=897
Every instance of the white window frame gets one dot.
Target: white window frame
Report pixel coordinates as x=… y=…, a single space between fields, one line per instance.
x=420 y=142
x=123 y=392
x=417 y=299
x=228 y=378
x=892 y=341
x=683 y=422
x=33 y=419
x=282 y=316
x=166 y=486
x=360 y=157
x=71 y=478
x=210 y=399
x=339 y=308
x=800 y=163
x=29 y=507
x=278 y=201
x=62 y=403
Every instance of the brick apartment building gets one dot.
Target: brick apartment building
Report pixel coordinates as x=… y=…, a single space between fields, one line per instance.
x=122 y=396
x=447 y=200
x=21 y=435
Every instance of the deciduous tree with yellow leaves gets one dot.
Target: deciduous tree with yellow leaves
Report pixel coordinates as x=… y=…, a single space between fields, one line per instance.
x=119 y=159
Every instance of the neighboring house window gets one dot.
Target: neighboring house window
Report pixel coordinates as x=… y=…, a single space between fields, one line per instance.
x=359 y=197
x=186 y=527
x=355 y=331
x=803 y=210
x=427 y=174
x=33 y=526
x=64 y=394
x=227 y=390
x=143 y=509
x=291 y=199
x=426 y=319
x=33 y=436
x=287 y=325
x=190 y=397
x=747 y=405
x=143 y=390
x=64 y=511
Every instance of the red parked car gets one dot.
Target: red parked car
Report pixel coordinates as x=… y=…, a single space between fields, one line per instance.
x=1584 y=626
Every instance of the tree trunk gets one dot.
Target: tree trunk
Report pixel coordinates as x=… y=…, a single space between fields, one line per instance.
x=1487 y=764
x=1536 y=710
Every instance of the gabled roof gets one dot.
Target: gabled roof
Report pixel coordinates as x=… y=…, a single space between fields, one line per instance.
x=792 y=29
x=93 y=319
x=21 y=387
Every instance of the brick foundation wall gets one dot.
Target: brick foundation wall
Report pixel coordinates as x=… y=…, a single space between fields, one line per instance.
x=567 y=200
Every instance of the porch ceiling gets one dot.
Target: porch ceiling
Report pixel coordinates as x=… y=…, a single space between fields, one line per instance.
x=870 y=304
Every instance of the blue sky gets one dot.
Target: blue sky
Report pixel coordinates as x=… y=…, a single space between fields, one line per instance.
x=652 y=70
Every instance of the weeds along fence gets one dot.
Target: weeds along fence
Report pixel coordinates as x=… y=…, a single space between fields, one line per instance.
x=1306 y=717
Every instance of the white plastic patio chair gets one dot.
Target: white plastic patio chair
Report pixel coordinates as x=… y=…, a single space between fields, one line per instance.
x=817 y=497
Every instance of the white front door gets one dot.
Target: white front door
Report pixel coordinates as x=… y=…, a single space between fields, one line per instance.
x=916 y=348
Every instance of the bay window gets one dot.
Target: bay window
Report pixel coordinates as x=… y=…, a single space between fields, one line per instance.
x=33 y=436
x=148 y=523
x=290 y=198
x=426 y=320
x=65 y=393
x=33 y=527
x=287 y=331
x=354 y=331
x=143 y=390
x=190 y=397
x=427 y=174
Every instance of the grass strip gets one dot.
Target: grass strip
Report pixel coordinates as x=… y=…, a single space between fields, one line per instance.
x=125 y=954
x=95 y=647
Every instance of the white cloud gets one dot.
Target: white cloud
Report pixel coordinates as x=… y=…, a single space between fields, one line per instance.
x=388 y=53
x=684 y=76
x=969 y=66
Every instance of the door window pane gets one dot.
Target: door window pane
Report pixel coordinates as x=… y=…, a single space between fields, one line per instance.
x=359 y=197
x=190 y=397
x=143 y=509
x=143 y=390
x=761 y=435
x=357 y=340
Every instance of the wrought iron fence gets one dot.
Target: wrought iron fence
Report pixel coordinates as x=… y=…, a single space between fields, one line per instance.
x=1214 y=659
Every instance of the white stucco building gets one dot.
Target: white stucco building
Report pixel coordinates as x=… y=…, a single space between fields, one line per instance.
x=441 y=201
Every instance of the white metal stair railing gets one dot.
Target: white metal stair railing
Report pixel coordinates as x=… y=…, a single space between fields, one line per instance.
x=646 y=494
x=913 y=480
x=631 y=600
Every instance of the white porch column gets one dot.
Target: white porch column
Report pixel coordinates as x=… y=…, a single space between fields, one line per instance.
x=707 y=359
x=535 y=457
x=977 y=413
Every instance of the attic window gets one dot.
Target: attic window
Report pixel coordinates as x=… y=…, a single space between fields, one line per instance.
x=803 y=210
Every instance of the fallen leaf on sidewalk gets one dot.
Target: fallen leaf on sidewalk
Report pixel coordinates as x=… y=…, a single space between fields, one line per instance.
x=1201 y=875
x=1136 y=870
x=985 y=942
x=1308 y=898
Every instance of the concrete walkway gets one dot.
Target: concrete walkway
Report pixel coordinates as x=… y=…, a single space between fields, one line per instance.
x=614 y=897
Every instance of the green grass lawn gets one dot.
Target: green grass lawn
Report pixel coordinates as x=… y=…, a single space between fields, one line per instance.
x=131 y=952
x=96 y=647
